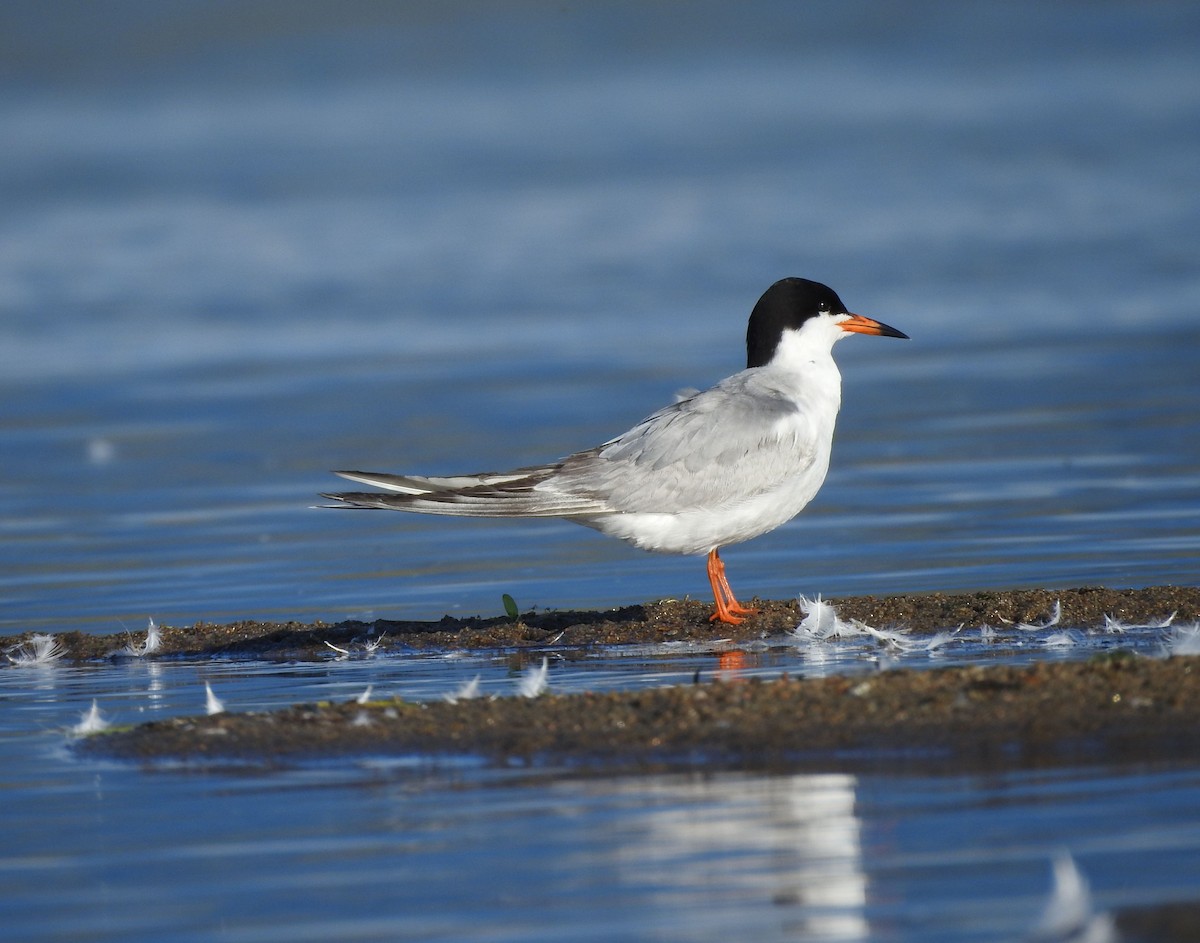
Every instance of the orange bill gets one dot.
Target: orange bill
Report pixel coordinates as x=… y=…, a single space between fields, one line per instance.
x=863 y=325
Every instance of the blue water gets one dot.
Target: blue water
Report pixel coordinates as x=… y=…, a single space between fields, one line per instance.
x=241 y=245
x=406 y=847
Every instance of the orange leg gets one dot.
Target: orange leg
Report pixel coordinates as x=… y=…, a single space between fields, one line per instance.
x=728 y=608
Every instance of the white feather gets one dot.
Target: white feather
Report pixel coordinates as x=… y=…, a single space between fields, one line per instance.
x=1069 y=916
x=1115 y=626
x=212 y=703
x=1185 y=640
x=821 y=623
x=90 y=722
x=535 y=680
x=1055 y=618
x=151 y=645
x=820 y=620
x=465 y=691
x=37 y=651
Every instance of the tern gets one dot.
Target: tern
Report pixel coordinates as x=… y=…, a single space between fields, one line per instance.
x=715 y=468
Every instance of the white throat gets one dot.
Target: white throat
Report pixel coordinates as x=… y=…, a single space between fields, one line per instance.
x=810 y=346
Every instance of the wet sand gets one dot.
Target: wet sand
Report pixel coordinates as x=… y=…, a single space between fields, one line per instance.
x=1115 y=708
x=1112 y=709
x=662 y=621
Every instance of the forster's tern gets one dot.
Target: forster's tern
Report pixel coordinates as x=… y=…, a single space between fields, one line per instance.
x=715 y=468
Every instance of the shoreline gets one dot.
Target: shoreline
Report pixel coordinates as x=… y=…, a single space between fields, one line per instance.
x=661 y=621
x=1115 y=708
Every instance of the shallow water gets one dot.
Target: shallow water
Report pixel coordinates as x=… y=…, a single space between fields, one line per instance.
x=408 y=847
x=241 y=248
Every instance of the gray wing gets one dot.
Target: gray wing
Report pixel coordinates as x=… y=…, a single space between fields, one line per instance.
x=736 y=440
x=714 y=449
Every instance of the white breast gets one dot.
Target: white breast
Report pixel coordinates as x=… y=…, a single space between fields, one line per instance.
x=744 y=458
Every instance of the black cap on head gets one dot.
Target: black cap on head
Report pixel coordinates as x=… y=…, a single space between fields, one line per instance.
x=786 y=304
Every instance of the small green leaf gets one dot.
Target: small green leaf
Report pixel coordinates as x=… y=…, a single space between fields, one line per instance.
x=510 y=607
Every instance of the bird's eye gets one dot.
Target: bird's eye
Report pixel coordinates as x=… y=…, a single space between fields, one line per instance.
x=823 y=307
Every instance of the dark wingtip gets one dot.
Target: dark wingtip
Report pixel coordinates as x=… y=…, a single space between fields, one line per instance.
x=354 y=500
x=345 y=501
